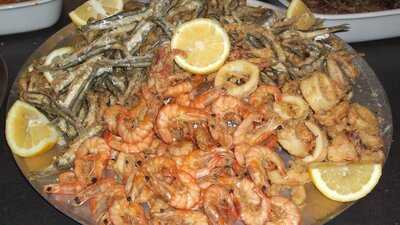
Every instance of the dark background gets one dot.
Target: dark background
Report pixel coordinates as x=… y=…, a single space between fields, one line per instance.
x=21 y=205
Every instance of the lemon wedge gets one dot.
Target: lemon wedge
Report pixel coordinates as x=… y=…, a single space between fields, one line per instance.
x=205 y=43
x=28 y=131
x=305 y=18
x=96 y=9
x=345 y=182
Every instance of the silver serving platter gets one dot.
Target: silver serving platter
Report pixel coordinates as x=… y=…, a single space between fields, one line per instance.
x=318 y=209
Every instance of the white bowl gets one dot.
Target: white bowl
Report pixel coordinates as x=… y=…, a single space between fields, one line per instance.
x=364 y=26
x=29 y=15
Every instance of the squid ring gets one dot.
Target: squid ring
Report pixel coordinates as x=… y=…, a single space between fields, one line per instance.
x=238 y=69
x=291 y=107
x=321 y=144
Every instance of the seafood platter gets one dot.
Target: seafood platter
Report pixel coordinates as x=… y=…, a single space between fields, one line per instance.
x=199 y=112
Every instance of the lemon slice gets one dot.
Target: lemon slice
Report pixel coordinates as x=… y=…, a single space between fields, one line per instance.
x=96 y=9
x=297 y=9
x=345 y=182
x=205 y=43
x=28 y=131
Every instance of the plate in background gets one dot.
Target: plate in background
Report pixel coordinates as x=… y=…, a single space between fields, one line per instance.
x=28 y=15
x=364 y=26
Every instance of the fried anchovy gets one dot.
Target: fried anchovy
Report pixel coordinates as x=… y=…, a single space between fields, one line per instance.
x=133 y=61
x=84 y=73
x=81 y=57
x=313 y=33
x=107 y=41
x=254 y=41
x=136 y=78
x=156 y=9
x=160 y=8
x=166 y=26
x=99 y=71
x=93 y=109
x=140 y=35
x=118 y=20
x=50 y=106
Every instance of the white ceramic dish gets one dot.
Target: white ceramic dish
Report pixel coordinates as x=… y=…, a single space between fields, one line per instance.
x=364 y=26
x=29 y=15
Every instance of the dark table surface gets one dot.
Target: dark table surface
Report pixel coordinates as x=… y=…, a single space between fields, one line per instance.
x=21 y=205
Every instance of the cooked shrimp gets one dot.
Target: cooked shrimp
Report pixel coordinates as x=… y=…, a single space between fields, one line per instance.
x=179 y=89
x=297 y=192
x=206 y=99
x=221 y=130
x=91 y=160
x=110 y=116
x=128 y=164
x=219 y=206
x=260 y=97
x=229 y=104
x=203 y=138
x=67 y=184
x=173 y=112
x=180 y=148
x=132 y=133
x=117 y=143
x=177 y=187
x=139 y=110
x=99 y=198
x=259 y=159
x=183 y=99
x=173 y=217
x=253 y=206
x=284 y=212
x=104 y=189
x=136 y=188
x=250 y=134
x=123 y=212
x=158 y=205
x=157 y=147
x=240 y=152
x=199 y=163
x=182 y=193
x=296 y=174
x=153 y=102
x=159 y=165
x=227 y=114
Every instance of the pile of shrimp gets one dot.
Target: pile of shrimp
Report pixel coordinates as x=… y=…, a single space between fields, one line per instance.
x=197 y=150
